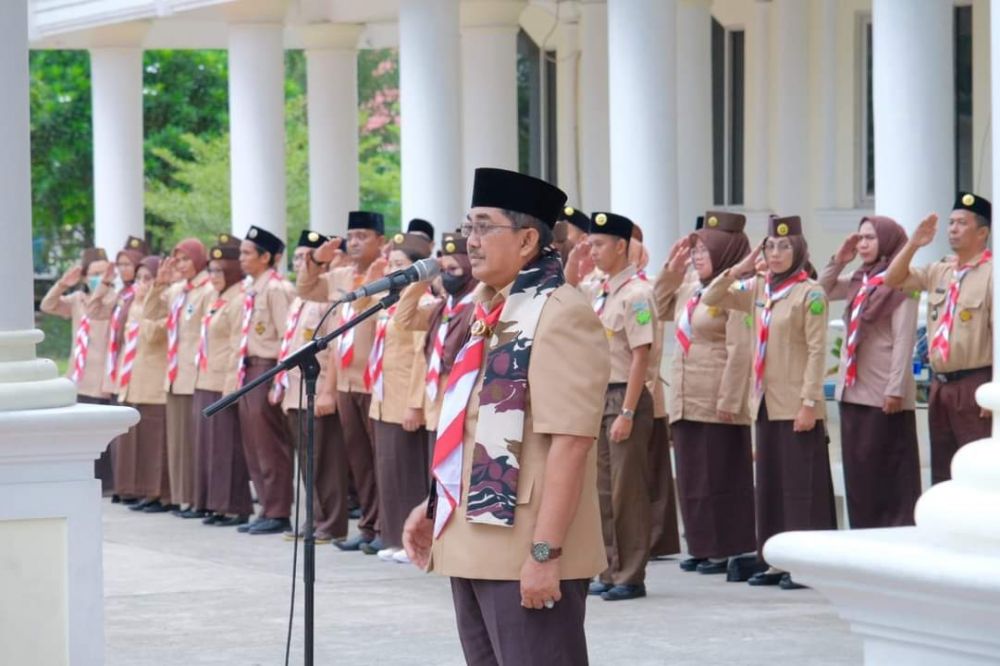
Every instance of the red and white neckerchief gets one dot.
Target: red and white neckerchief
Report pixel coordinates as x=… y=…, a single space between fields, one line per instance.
x=941 y=340
x=201 y=356
x=128 y=357
x=81 y=342
x=683 y=331
x=602 y=298
x=374 y=375
x=291 y=324
x=173 y=330
x=345 y=345
x=447 y=463
x=249 y=296
x=111 y=361
x=451 y=310
x=771 y=297
x=857 y=305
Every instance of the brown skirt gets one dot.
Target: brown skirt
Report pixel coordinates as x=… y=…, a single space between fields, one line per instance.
x=881 y=465
x=148 y=438
x=180 y=448
x=794 y=484
x=222 y=469
x=715 y=487
x=104 y=465
x=664 y=538
x=401 y=477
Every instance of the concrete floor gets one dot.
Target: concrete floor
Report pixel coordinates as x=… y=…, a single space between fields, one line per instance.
x=177 y=592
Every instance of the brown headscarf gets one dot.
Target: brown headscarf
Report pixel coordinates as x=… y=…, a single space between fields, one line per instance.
x=800 y=261
x=231 y=271
x=882 y=301
x=725 y=248
x=195 y=251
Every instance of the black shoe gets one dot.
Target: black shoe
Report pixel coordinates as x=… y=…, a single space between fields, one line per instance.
x=788 y=584
x=140 y=506
x=354 y=543
x=245 y=527
x=597 y=588
x=624 y=592
x=710 y=567
x=158 y=507
x=372 y=547
x=239 y=522
x=691 y=563
x=116 y=499
x=271 y=526
x=764 y=578
x=194 y=513
x=741 y=569
x=130 y=501
x=355 y=513
x=213 y=519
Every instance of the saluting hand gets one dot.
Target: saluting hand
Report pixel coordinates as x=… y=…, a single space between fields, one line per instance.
x=621 y=429
x=924 y=234
x=418 y=535
x=165 y=275
x=325 y=253
x=679 y=258
x=748 y=265
x=848 y=250
x=72 y=277
x=584 y=263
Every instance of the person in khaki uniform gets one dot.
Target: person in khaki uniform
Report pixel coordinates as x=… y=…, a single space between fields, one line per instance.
x=330 y=459
x=875 y=385
x=959 y=325
x=519 y=548
x=351 y=351
x=178 y=295
x=572 y=227
x=222 y=465
x=624 y=303
x=789 y=309
x=709 y=396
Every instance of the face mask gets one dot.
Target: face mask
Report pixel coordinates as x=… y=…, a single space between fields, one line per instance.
x=93 y=282
x=454 y=284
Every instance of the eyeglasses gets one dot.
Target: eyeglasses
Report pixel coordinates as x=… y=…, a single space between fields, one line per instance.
x=780 y=246
x=480 y=229
x=699 y=252
x=216 y=271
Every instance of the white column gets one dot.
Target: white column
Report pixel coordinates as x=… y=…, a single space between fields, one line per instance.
x=758 y=142
x=789 y=108
x=332 y=76
x=825 y=129
x=489 y=87
x=642 y=75
x=432 y=172
x=994 y=10
x=914 y=105
x=595 y=141
x=116 y=90
x=694 y=111
x=567 y=104
x=257 y=127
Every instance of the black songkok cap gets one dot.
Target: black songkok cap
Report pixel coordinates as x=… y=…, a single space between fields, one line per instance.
x=611 y=224
x=976 y=204
x=421 y=227
x=509 y=190
x=363 y=219
x=310 y=238
x=577 y=218
x=265 y=240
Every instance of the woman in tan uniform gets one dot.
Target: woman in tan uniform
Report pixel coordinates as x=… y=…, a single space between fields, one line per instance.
x=789 y=310
x=709 y=384
x=224 y=473
x=875 y=387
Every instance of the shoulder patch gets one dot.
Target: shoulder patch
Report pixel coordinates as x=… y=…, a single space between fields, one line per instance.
x=915 y=294
x=817 y=306
x=815 y=296
x=643 y=317
x=748 y=321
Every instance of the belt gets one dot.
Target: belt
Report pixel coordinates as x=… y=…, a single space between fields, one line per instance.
x=257 y=360
x=945 y=377
x=617 y=385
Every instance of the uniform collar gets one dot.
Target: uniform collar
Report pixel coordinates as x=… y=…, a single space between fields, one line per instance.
x=488 y=297
x=618 y=281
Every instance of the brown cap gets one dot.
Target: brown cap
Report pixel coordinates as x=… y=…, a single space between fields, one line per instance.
x=780 y=227
x=723 y=221
x=92 y=254
x=414 y=245
x=454 y=244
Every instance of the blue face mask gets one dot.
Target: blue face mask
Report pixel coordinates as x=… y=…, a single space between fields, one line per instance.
x=93 y=282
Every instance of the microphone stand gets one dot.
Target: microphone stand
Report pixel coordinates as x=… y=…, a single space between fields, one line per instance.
x=305 y=358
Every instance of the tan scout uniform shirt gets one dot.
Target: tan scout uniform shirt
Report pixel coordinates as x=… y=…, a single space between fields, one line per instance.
x=796 y=348
x=567 y=329
x=885 y=353
x=305 y=331
x=157 y=307
x=971 y=340
x=655 y=386
x=270 y=314
x=146 y=386
x=109 y=385
x=73 y=307
x=402 y=361
x=413 y=313
x=715 y=373
x=328 y=287
x=629 y=322
x=224 y=333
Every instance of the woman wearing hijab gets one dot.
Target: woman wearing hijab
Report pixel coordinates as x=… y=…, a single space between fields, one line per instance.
x=789 y=316
x=709 y=411
x=875 y=387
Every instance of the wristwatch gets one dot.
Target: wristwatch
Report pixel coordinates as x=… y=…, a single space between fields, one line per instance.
x=808 y=403
x=542 y=552
x=628 y=413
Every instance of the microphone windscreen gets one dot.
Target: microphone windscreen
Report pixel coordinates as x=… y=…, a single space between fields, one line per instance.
x=427 y=268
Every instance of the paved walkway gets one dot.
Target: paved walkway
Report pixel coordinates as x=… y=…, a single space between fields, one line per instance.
x=177 y=592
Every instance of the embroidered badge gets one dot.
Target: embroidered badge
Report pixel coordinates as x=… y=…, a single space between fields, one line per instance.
x=713 y=311
x=260 y=328
x=915 y=295
x=189 y=311
x=643 y=317
x=965 y=315
x=748 y=321
x=308 y=333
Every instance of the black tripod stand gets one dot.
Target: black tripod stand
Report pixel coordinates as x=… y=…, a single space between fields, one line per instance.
x=305 y=358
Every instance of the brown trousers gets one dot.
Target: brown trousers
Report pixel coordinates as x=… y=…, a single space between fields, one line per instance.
x=227 y=479
x=495 y=630
x=623 y=491
x=358 y=442
x=149 y=438
x=104 y=466
x=794 y=484
x=954 y=421
x=329 y=472
x=401 y=466
x=180 y=448
x=715 y=487
x=265 y=442
x=881 y=465
x=664 y=538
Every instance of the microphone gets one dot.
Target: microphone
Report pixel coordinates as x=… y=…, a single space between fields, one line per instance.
x=425 y=269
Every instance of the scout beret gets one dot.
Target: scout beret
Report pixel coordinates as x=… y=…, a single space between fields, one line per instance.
x=419 y=226
x=92 y=254
x=414 y=245
x=779 y=227
x=310 y=238
x=611 y=224
x=265 y=240
x=509 y=190
x=454 y=244
x=224 y=239
x=137 y=245
x=226 y=251
x=576 y=217
x=723 y=221
x=976 y=204
x=364 y=219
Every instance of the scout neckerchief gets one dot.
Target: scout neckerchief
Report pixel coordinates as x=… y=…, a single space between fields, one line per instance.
x=128 y=358
x=602 y=297
x=868 y=285
x=451 y=310
x=291 y=324
x=124 y=300
x=941 y=340
x=770 y=298
x=502 y=400
x=201 y=357
x=684 y=331
x=81 y=342
x=173 y=326
x=373 y=377
x=250 y=295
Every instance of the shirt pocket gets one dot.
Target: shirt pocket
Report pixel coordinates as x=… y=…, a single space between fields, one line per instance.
x=935 y=306
x=969 y=308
